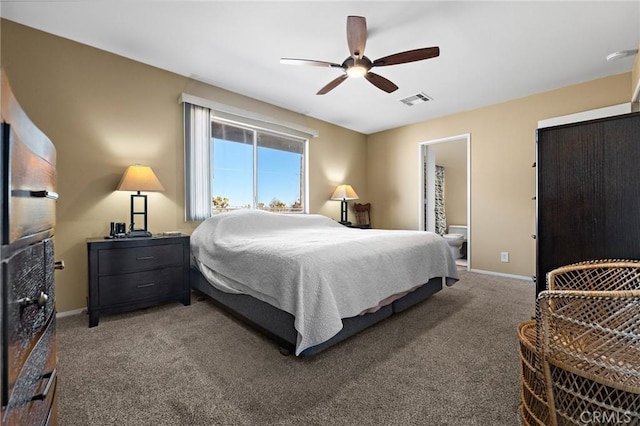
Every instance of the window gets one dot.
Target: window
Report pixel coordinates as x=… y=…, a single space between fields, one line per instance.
x=237 y=159
x=254 y=168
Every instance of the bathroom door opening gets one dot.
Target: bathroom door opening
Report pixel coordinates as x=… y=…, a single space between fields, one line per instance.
x=452 y=153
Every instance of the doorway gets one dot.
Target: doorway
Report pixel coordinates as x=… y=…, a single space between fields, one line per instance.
x=453 y=155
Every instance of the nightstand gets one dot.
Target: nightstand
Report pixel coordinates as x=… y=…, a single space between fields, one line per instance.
x=354 y=225
x=133 y=273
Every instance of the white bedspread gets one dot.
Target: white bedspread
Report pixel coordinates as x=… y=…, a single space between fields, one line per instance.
x=313 y=267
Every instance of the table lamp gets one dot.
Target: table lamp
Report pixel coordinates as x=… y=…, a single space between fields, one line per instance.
x=139 y=178
x=344 y=193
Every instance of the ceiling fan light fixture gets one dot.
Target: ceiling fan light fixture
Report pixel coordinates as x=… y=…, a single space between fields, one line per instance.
x=358 y=65
x=356 y=71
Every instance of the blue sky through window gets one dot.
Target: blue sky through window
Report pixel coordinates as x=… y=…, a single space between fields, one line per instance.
x=278 y=174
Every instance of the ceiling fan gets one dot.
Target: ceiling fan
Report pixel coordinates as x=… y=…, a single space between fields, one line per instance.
x=358 y=65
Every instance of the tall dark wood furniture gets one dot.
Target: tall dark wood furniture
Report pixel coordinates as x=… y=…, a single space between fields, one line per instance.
x=28 y=323
x=588 y=192
x=133 y=273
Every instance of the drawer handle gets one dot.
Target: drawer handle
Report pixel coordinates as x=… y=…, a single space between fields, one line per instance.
x=144 y=258
x=59 y=264
x=25 y=193
x=45 y=194
x=146 y=285
x=42 y=396
x=41 y=300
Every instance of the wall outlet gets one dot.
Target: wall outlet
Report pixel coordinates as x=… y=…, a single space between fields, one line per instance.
x=504 y=257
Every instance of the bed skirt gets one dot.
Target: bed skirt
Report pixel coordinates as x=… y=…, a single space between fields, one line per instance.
x=279 y=325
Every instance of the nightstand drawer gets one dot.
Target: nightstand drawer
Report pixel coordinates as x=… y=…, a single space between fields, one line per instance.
x=128 y=288
x=119 y=261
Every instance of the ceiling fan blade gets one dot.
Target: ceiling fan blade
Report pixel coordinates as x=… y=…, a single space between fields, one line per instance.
x=408 y=56
x=332 y=85
x=356 y=35
x=381 y=82
x=312 y=62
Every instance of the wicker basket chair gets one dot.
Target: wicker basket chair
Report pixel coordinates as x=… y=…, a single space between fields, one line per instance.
x=589 y=344
x=595 y=275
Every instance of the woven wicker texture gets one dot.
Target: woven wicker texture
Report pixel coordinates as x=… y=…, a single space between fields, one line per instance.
x=577 y=399
x=534 y=408
x=590 y=351
x=596 y=275
x=581 y=365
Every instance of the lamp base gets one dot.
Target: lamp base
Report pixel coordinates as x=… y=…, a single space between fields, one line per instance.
x=343 y=212
x=138 y=233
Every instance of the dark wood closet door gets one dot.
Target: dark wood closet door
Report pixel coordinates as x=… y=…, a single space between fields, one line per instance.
x=621 y=181
x=588 y=193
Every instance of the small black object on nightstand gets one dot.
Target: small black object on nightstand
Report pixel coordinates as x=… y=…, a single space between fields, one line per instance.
x=138 y=233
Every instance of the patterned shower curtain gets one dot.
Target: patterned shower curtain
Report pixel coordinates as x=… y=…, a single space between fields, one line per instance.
x=441 y=218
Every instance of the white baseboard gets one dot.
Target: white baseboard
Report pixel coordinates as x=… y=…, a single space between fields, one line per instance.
x=500 y=274
x=69 y=313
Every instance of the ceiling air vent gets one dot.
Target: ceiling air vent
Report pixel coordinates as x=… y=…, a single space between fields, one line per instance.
x=416 y=99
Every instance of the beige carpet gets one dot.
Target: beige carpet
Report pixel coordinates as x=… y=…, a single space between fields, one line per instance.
x=451 y=360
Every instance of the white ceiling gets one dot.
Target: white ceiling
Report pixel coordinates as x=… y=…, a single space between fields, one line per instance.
x=490 y=51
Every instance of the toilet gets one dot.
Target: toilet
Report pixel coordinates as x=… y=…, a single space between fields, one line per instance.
x=456 y=236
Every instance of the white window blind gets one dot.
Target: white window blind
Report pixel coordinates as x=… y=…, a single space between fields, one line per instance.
x=197 y=145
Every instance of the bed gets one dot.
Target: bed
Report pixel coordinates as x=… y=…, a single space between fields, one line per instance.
x=309 y=282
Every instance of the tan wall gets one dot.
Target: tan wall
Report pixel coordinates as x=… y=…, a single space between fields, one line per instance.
x=104 y=113
x=453 y=157
x=635 y=78
x=502 y=179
